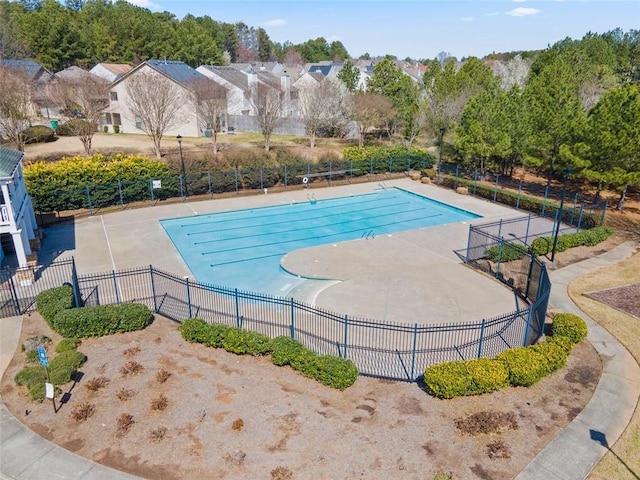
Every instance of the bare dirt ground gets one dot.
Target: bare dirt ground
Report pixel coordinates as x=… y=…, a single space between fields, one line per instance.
x=232 y=417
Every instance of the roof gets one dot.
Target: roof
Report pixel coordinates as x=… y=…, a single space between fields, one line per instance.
x=77 y=74
x=32 y=68
x=323 y=69
x=229 y=74
x=9 y=160
x=176 y=70
x=116 y=68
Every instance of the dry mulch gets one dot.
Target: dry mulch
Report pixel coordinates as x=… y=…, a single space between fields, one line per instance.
x=625 y=298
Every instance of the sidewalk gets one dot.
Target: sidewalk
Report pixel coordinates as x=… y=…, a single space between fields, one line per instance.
x=580 y=446
x=571 y=455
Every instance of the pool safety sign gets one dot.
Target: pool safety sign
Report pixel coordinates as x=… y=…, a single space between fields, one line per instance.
x=156 y=183
x=42 y=355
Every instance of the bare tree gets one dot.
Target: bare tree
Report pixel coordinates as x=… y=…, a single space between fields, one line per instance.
x=210 y=100
x=324 y=106
x=82 y=101
x=16 y=107
x=266 y=103
x=155 y=102
x=371 y=110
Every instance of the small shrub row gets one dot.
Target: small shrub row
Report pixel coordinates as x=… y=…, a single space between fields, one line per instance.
x=520 y=366
x=61 y=370
x=38 y=134
x=329 y=370
x=588 y=238
x=56 y=307
x=508 y=253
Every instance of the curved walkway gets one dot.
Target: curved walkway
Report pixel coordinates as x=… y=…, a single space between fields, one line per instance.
x=571 y=455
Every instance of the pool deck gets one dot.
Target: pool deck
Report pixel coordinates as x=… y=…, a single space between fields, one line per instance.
x=408 y=277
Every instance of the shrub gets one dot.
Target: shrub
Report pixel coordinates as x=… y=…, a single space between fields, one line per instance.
x=448 y=379
x=284 y=350
x=159 y=403
x=305 y=363
x=216 y=335
x=194 y=330
x=131 y=352
x=570 y=326
x=588 y=238
x=96 y=384
x=563 y=342
x=74 y=127
x=124 y=423
x=131 y=368
x=162 y=376
x=554 y=354
x=507 y=253
x=102 y=320
x=525 y=365
x=237 y=424
x=39 y=134
x=158 y=434
x=31 y=356
x=116 y=129
x=486 y=376
x=105 y=129
x=64 y=366
x=542 y=245
x=54 y=300
x=124 y=394
x=82 y=411
x=30 y=376
x=240 y=341
x=67 y=344
x=335 y=372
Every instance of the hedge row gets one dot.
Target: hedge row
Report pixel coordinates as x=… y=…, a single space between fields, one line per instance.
x=544 y=245
x=376 y=159
x=520 y=366
x=524 y=202
x=55 y=306
x=329 y=370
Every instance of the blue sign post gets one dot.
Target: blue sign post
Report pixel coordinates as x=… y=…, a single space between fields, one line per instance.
x=49 y=389
x=42 y=355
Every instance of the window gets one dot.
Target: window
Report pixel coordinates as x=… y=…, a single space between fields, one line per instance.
x=138 y=123
x=107 y=119
x=113 y=96
x=116 y=119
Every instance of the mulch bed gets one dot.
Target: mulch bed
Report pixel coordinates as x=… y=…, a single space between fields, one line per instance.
x=625 y=298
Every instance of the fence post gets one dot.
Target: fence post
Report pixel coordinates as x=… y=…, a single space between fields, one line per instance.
x=261 y=178
x=237 y=308
x=188 y=296
x=77 y=299
x=532 y=259
x=495 y=191
x=481 y=338
x=580 y=218
x=120 y=193
x=413 y=352
x=115 y=286
x=499 y=228
x=457 y=173
x=573 y=210
x=350 y=170
x=151 y=191
x=346 y=328
x=209 y=182
x=86 y=189
x=390 y=166
x=526 y=234
x=526 y=330
x=235 y=172
x=181 y=186
x=153 y=289
x=501 y=240
x=604 y=212
x=475 y=180
x=471 y=229
x=544 y=200
x=292 y=328
x=519 y=193
x=286 y=178
x=371 y=166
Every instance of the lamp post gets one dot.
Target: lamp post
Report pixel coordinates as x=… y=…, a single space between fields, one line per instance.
x=565 y=173
x=442 y=130
x=184 y=172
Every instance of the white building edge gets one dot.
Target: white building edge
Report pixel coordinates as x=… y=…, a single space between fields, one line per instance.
x=17 y=217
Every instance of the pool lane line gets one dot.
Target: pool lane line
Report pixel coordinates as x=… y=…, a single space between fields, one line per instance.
x=235 y=249
x=305 y=219
x=252 y=217
x=106 y=236
x=280 y=232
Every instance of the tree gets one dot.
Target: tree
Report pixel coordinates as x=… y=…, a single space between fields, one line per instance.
x=555 y=114
x=82 y=100
x=266 y=103
x=613 y=140
x=16 y=107
x=350 y=76
x=370 y=110
x=155 y=103
x=210 y=100
x=324 y=107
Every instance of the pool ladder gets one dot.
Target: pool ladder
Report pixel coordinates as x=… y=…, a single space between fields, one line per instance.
x=368 y=235
x=312 y=199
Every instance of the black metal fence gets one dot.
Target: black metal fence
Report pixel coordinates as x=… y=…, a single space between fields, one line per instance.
x=398 y=351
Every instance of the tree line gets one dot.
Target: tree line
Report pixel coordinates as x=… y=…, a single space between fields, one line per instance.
x=87 y=32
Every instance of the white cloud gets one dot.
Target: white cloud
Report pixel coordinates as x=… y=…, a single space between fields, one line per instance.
x=522 y=12
x=276 y=22
x=145 y=4
x=492 y=14
x=467 y=19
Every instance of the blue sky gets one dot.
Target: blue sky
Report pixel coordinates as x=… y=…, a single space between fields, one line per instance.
x=418 y=28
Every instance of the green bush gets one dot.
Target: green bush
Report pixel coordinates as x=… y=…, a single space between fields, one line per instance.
x=525 y=365
x=102 y=320
x=486 y=376
x=305 y=363
x=563 y=342
x=31 y=356
x=588 y=238
x=116 y=129
x=570 y=326
x=30 y=376
x=52 y=301
x=64 y=366
x=67 y=344
x=39 y=134
x=74 y=127
x=284 y=350
x=448 y=379
x=240 y=342
x=194 y=330
x=542 y=245
x=335 y=372
x=507 y=253
x=554 y=354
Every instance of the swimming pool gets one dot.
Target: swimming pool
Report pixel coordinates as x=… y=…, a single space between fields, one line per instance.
x=242 y=248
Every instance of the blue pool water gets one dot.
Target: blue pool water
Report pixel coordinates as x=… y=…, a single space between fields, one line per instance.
x=242 y=249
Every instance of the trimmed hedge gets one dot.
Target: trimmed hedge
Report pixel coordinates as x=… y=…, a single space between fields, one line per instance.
x=468 y=377
x=329 y=370
x=67 y=344
x=54 y=300
x=569 y=326
x=102 y=320
x=588 y=238
x=38 y=134
x=525 y=365
x=508 y=253
x=61 y=370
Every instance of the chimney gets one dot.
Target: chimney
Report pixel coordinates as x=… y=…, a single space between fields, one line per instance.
x=285 y=85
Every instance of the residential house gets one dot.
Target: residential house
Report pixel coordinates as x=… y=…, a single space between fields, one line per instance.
x=39 y=77
x=118 y=114
x=17 y=220
x=111 y=71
